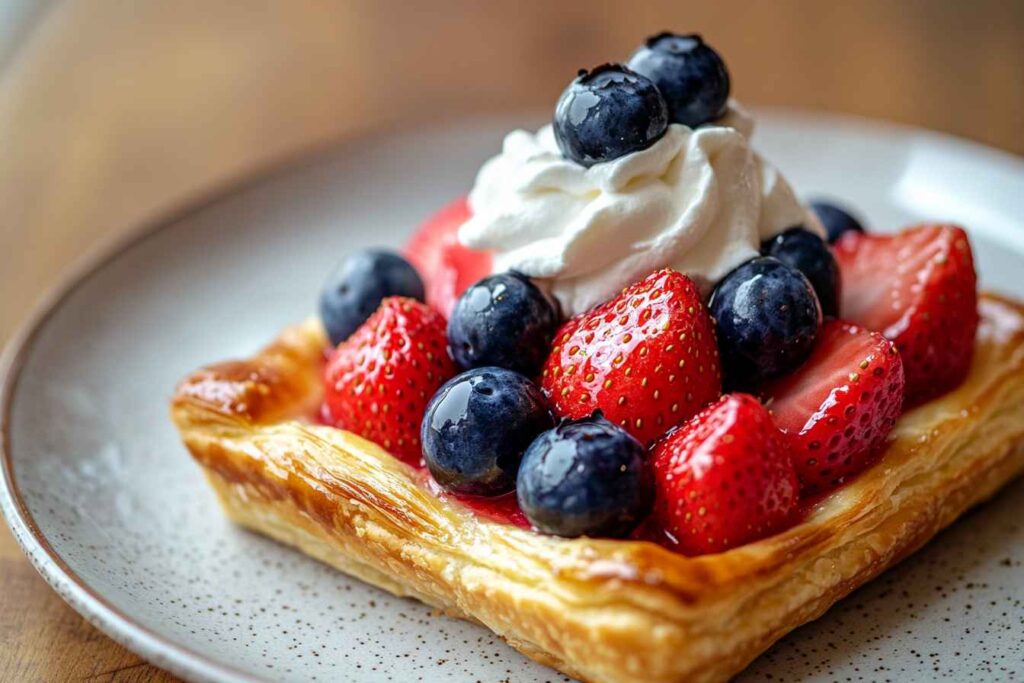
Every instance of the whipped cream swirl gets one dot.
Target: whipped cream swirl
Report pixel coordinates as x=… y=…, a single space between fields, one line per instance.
x=698 y=200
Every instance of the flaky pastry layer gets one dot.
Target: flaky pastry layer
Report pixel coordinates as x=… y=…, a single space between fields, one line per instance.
x=599 y=610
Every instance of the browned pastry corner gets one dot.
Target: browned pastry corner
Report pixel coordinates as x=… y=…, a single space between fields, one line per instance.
x=598 y=610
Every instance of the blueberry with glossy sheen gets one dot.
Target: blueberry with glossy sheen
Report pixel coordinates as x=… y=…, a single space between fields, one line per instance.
x=355 y=288
x=585 y=478
x=767 y=318
x=836 y=220
x=607 y=113
x=690 y=75
x=503 y=320
x=478 y=425
x=809 y=254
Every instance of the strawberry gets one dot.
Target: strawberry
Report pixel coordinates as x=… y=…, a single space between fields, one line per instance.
x=647 y=358
x=724 y=478
x=840 y=406
x=918 y=288
x=379 y=380
x=446 y=266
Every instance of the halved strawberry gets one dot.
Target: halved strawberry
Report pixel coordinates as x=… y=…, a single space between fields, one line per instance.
x=724 y=478
x=447 y=267
x=378 y=381
x=919 y=289
x=647 y=358
x=840 y=406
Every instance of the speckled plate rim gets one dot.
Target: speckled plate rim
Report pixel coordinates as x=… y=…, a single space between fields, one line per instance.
x=72 y=588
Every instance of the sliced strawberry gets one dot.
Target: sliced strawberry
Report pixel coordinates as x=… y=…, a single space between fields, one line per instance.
x=840 y=406
x=724 y=478
x=647 y=358
x=379 y=380
x=919 y=289
x=446 y=266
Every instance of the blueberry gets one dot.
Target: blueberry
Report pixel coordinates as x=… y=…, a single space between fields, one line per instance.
x=585 y=478
x=836 y=220
x=809 y=254
x=767 y=319
x=690 y=75
x=477 y=426
x=502 y=320
x=607 y=113
x=354 y=289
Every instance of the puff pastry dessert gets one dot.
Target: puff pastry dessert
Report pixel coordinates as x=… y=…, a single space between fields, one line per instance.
x=598 y=610
x=631 y=404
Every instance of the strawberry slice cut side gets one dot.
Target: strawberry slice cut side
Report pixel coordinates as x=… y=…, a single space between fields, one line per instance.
x=919 y=289
x=840 y=406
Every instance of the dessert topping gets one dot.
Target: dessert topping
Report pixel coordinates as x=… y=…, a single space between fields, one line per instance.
x=699 y=201
x=689 y=73
x=606 y=113
x=837 y=220
x=839 y=407
x=378 y=381
x=477 y=427
x=919 y=289
x=585 y=478
x=647 y=359
x=447 y=267
x=724 y=478
x=503 y=320
x=767 y=318
x=809 y=254
x=355 y=288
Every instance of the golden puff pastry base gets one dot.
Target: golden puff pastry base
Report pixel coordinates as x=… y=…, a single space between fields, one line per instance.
x=598 y=610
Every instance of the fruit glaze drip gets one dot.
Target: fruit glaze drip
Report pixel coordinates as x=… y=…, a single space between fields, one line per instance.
x=632 y=328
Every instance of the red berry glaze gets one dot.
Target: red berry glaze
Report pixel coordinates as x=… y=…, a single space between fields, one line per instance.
x=919 y=289
x=447 y=267
x=724 y=478
x=647 y=358
x=840 y=406
x=379 y=380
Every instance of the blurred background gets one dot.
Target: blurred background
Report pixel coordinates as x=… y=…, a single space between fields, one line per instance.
x=114 y=112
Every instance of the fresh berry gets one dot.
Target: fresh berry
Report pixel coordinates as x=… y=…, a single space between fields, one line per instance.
x=447 y=266
x=840 y=406
x=356 y=287
x=724 y=478
x=378 y=381
x=647 y=359
x=808 y=253
x=607 y=113
x=690 y=75
x=767 y=318
x=918 y=288
x=836 y=220
x=586 y=478
x=477 y=427
x=502 y=320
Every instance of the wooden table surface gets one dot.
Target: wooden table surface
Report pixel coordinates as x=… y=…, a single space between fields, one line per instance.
x=112 y=112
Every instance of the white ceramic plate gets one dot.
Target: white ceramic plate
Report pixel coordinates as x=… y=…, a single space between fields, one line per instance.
x=115 y=515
